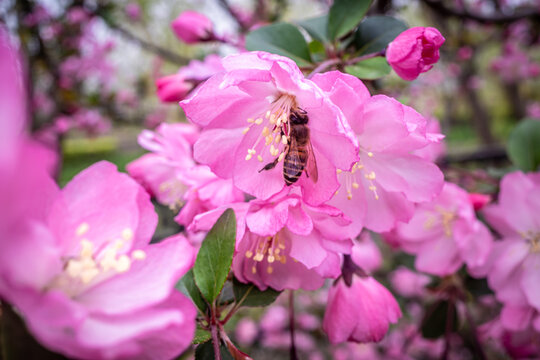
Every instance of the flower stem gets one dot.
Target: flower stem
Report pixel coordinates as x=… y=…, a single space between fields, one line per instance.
x=327 y=64
x=215 y=336
x=293 y=354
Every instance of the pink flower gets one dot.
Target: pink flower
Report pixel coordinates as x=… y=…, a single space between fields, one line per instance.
x=360 y=312
x=245 y=114
x=437 y=148
x=80 y=270
x=512 y=269
x=409 y=283
x=12 y=99
x=478 y=200
x=160 y=172
x=365 y=253
x=284 y=243
x=383 y=186
x=173 y=88
x=414 y=51
x=206 y=192
x=445 y=234
x=246 y=332
x=133 y=11
x=192 y=27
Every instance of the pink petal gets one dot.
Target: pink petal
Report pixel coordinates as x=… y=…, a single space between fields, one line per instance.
x=147 y=282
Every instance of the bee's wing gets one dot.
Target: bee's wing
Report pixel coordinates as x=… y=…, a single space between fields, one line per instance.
x=311 y=166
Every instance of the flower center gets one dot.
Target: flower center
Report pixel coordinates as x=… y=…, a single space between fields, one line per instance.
x=274 y=134
x=174 y=189
x=92 y=265
x=269 y=249
x=533 y=238
x=350 y=181
x=446 y=218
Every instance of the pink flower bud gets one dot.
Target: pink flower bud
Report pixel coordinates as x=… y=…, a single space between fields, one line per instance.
x=192 y=27
x=414 y=51
x=478 y=201
x=172 y=88
x=361 y=312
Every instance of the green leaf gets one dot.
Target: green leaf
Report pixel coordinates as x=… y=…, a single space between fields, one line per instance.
x=201 y=336
x=376 y=32
x=345 y=15
x=524 y=145
x=317 y=28
x=282 y=39
x=434 y=324
x=188 y=287
x=254 y=297
x=369 y=69
x=206 y=352
x=215 y=257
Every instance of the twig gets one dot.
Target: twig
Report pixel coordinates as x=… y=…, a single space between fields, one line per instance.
x=332 y=62
x=498 y=18
x=293 y=354
x=477 y=344
x=156 y=49
x=215 y=337
x=448 y=330
x=225 y=4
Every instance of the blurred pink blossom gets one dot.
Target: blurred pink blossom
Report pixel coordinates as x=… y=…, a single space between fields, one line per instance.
x=133 y=11
x=445 y=234
x=173 y=88
x=533 y=110
x=192 y=27
x=79 y=268
x=512 y=268
x=409 y=283
x=365 y=253
x=414 y=51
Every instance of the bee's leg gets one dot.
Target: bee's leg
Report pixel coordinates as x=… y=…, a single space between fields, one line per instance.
x=273 y=164
x=270 y=165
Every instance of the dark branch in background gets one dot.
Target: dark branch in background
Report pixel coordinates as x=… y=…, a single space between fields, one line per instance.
x=491 y=153
x=498 y=18
x=148 y=46
x=227 y=7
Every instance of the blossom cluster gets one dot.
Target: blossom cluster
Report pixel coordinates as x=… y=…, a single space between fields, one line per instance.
x=312 y=168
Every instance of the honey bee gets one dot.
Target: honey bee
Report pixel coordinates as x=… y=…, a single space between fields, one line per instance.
x=299 y=155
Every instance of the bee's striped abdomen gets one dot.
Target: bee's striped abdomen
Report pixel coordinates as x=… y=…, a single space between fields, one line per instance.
x=293 y=165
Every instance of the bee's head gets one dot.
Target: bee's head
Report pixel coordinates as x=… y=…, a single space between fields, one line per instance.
x=298 y=117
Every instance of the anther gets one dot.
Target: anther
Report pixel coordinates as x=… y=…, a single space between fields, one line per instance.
x=281 y=157
x=370 y=154
x=138 y=255
x=259 y=157
x=259 y=121
x=355 y=185
x=82 y=229
x=249 y=254
x=245 y=131
x=338 y=171
x=127 y=234
x=250 y=120
x=269 y=269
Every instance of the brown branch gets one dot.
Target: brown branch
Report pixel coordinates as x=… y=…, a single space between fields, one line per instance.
x=498 y=18
x=148 y=46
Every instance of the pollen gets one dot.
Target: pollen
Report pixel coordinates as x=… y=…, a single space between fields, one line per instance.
x=249 y=254
x=370 y=176
x=260 y=158
x=253 y=269
x=245 y=131
x=123 y=264
x=267 y=114
x=269 y=269
x=265 y=131
x=138 y=255
x=355 y=185
x=284 y=140
x=127 y=234
x=281 y=157
x=259 y=121
x=349 y=195
x=250 y=120
x=370 y=154
x=82 y=229
x=339 y=171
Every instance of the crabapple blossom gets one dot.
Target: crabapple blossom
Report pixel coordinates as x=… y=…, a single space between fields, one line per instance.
x=409 y=283
x=365 y=253
x=284 y=243
x=176 y=87
x=414 y=51
x=360 y=312
x=245 y=115
x=192 y=27
x=387 y=180
x=79 y=269
x=512 y=268
x=445 y=234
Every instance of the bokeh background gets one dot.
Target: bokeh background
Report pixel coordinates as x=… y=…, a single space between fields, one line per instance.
x=91 y=68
